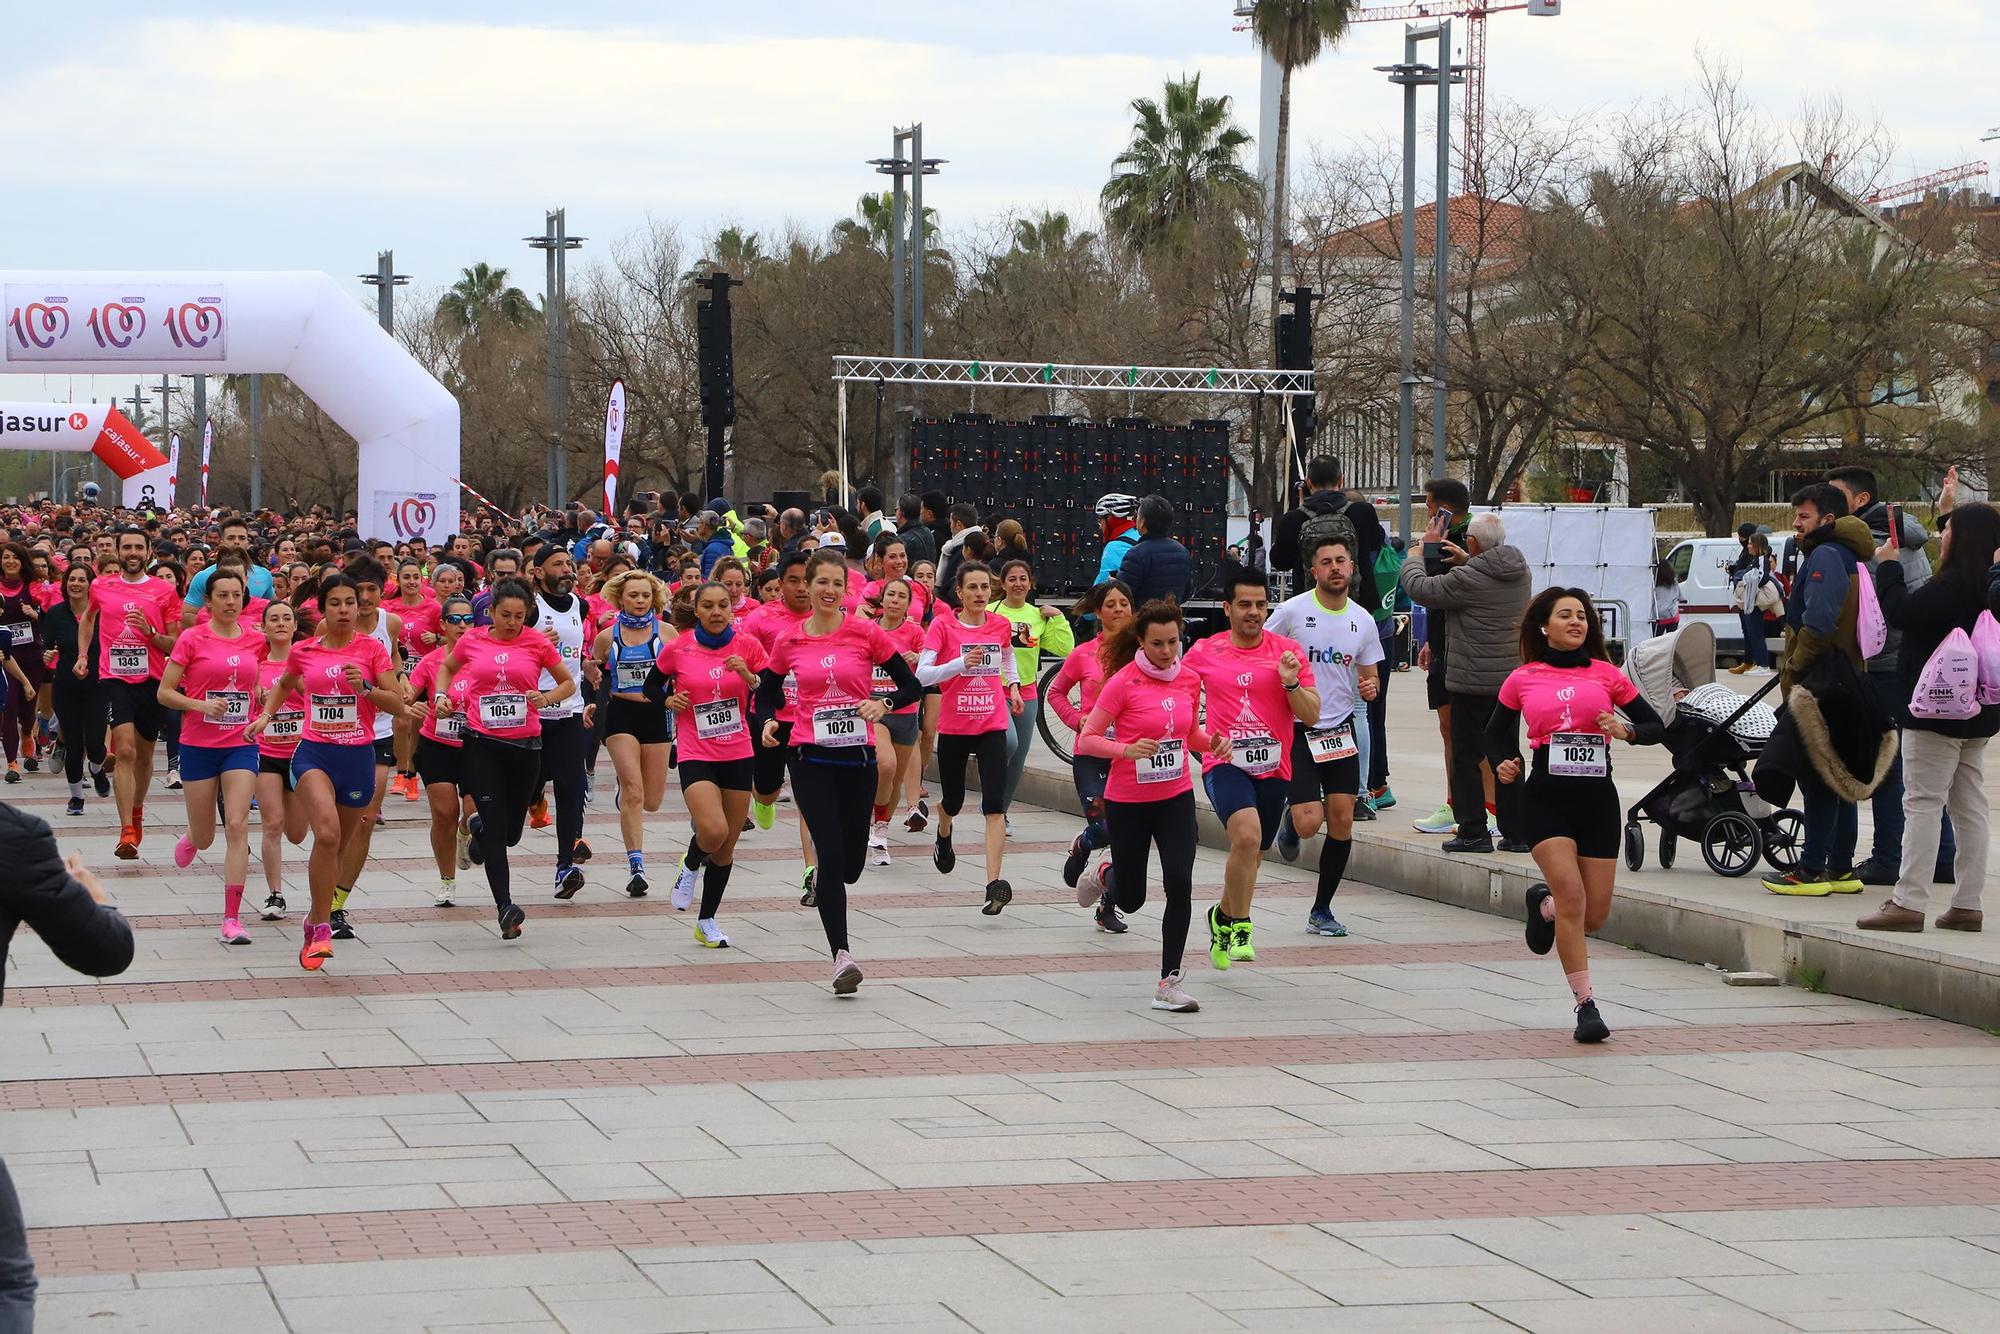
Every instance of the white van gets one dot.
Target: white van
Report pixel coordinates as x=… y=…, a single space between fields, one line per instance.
x=1706 y=596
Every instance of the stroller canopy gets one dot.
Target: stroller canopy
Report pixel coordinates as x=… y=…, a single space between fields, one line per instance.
x=1683 y=659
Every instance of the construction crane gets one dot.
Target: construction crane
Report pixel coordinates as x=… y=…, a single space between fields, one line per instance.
x=1923 y=185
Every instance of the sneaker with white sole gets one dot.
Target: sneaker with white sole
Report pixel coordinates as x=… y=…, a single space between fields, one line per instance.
x=233 y=932
x=878 y=843
x=846 y=974
x=1170 y=996
x=447 y=895
x=273 y=909
x=684 y=887
x=1439 y=821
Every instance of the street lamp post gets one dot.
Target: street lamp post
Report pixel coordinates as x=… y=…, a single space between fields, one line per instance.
x=909 y=241
x=385 y=280
x=556 y=242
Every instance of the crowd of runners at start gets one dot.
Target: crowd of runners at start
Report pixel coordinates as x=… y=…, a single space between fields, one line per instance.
x=305 y=675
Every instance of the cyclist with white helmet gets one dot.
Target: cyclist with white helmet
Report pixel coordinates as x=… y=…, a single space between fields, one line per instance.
x=1118 y=520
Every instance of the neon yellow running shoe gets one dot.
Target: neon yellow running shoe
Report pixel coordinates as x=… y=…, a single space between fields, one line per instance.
x=1219 y=939
x=709 y=936
x=1240 y=948
x=1798 y=888
x=764 y=813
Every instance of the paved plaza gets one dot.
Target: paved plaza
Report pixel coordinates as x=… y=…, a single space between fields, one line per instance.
x=604 y=1129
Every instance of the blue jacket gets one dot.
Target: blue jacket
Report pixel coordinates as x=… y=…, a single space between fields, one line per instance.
x=1157 y=567
x=716 y=548
x=1114 y=554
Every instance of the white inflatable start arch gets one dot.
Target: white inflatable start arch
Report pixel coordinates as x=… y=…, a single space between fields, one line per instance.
x=299 y=325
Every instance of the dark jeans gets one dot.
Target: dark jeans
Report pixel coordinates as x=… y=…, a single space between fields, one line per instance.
x=1756 y=651
x=1090 y=775
x=17 y=1268
x=1469 y=716
x=1378 y=709
x=565 y=743
x=1832 y=827
x=1887 y=803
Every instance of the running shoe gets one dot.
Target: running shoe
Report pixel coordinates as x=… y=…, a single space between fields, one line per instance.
x=878 y=834
x=32 y=764
x=1322 y=923
x=538 y=814
x=412 y=790
x=1364 y=809
x=138 y=823
x=233 y=932
x=173 y=775
x=684 y=887
x=1288 y=837
x=511 y=918
x=590 y=789
x=998 y=895
x=636 y=887
x=942 y=856
x=1844 y=882
x=1008 y=820
x=1382 y=796
x=101 y=780
x=569 y=880
x=1240 y=949
x=475 y=855
x=846 y=974
x=1219 y=936
x=318 y=947
x=1799 y=886
x=128 y=843
x=763 y=814
x=709 y=936
x=13 y=771
x=809 y=884
x=1439 y=821
x=183 y=852
x=447 y=896
x=581 y=852
x=1541 y=934
x=878 y=853
x=1590 y=1025
x=274 y=907
x=1169 y=995
x=917 y=820
x=461 y=837
x=1073 y=864
x=1106 y=875
x=75 y=806
x=338 y=925
x=1108 y=920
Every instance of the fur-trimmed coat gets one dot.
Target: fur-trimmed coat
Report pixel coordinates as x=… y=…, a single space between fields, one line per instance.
x=1833 y=725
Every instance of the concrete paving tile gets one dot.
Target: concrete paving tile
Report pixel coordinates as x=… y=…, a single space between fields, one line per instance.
x=159 y=1310
x=705 y=1278
x=1159 y=1314
x=962 y=1280
x=1836 y=1224
x=785 y=1175
x=1607 y=1247
x=1635 y=1315
x=344 y=1313
x=1483 y=1284
x=1871 y=1291
x=1418 y=1318
x=71 y=1197
x=1945 y=1257
x=450 y=1273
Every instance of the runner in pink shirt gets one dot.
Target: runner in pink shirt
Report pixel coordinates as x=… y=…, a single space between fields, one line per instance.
x=345 y=677
x=1145 y=723
x=282 y=815
x=834 y=657
x=705 y=679
x=767 y=766
x=896 y=740
x=1083 y=672
x=440 y=743
x=500 y=762
x=419 y=610
x=211 y=677
x=1258 y=689
x=135 y=619
x=969 y=656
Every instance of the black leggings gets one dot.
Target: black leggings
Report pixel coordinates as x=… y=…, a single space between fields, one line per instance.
x=565 y=751
x=990 y=748
x=501 y=780
x=1169 y=825
x=80 y=715
x=21 y=703
x=836 y=802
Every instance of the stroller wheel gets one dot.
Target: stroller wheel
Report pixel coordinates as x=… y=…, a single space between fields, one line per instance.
x=1784 y=837
x=1731 y=844
x=1668 y=844
x=1635 y=847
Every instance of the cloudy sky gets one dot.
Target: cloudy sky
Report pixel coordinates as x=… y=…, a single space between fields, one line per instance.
x=258 y=134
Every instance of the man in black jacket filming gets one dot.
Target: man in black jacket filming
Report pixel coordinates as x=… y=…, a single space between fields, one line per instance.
x=62 y=902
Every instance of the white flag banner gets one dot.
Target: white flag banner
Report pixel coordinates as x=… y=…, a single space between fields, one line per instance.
x=207 y=437
x=173 y=466
x=614 y=444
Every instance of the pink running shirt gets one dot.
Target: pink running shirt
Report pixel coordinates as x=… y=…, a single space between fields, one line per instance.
x=498 y=675
x=281 y=738
x=1564 y=699
x=717 y=724
x=975 y=700
x=119 y=646
x=1134 y=705
x=446 y=730
x=335 y=714
x=835 y=674
x=1248 y=701
x=213 y=667
x=1082 y=670
x=908 y=638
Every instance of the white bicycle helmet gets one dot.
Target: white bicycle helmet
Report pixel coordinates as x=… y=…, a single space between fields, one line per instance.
x=1117 y=505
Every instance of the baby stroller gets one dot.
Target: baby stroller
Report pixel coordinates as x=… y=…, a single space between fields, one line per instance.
x=1713 y=735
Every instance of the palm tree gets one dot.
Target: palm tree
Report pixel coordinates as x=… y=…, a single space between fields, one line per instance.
x=735 y=252
x=1294 y=32
x=873 y=223
x=1181 y=167
x=480 y=291
x=1048 y=236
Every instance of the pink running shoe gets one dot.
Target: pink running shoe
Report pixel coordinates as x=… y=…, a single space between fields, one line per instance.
x=846 y=974
x=183 y=851
x=233 y=932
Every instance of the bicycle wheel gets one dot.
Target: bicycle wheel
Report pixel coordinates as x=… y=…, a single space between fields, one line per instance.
x=1056 y=734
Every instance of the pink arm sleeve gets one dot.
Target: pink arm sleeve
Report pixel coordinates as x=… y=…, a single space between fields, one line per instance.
x=1092 y=740
x=1065 y=681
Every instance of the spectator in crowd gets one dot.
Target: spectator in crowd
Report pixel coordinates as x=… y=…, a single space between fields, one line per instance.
x=757 y=552
x=1943 y=760
x=1442 y=495
x=1010 y=542
x=713 y=539
x=1751 y=574
x=1157 y=566
x=1483 y=589
x=917 y=539
x=868 y=501
x=1666 y=599
x=1118 y=525
x=1326 y=501
x=1820 y=627
x=935 y=514
x=964 y=519
x=1858 y=485
x=791 y=529
x=63 y=904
